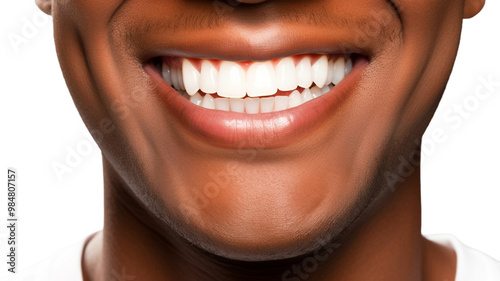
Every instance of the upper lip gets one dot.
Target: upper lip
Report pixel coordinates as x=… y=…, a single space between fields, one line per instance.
x=239 y=35
x=264 y=44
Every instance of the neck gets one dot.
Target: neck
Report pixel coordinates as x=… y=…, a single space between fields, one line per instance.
x=385 y=246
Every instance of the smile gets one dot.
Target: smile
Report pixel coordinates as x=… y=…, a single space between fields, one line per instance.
x=241 y=103
x=254 y=87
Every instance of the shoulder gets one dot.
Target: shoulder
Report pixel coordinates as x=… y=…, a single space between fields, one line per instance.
x=64 y=265
x=471 y=264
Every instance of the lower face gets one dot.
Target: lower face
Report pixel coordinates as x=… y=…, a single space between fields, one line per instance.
x=256 y=129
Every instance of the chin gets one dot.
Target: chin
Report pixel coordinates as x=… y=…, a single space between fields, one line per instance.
x=263 y=247
x=263 y=230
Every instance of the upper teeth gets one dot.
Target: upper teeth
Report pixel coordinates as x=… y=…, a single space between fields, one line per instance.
x=231 y=80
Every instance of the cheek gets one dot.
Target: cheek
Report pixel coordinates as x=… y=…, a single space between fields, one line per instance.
x=87 y=13
x=429 y=13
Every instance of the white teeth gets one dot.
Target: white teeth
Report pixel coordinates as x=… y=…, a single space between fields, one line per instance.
x=191 y=77
x=316 y=92
x=222 y=104
x=331 y=68
x=165 y=73
x=285 y=74
x=252 y=105
x=325 y=89
x=237 y=105
x=196 y=99
x=294 y=99
x=175 y=83
x=184 y=94
x=240 y=91
x=266 y=104
x=348 y=66
x=320 y=71
x=209 y=77
x=208 y=102
x=338 y=70
x=307 y=95
x=261 y=80
x=304 y=72
x=280 y=103
x=231 y=80
x=179 y=79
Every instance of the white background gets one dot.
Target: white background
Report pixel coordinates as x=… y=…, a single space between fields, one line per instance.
x=39 y=125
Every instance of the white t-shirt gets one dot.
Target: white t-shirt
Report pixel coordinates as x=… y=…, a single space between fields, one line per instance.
x=472 y=265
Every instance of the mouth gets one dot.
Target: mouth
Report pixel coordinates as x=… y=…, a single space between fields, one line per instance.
x=238 y=104
x=254 y=87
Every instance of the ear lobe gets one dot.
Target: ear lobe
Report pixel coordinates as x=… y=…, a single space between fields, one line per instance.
x=473 y=7
x=45 y=6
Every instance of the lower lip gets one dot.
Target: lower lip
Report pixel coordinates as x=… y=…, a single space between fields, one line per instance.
x=264 y=130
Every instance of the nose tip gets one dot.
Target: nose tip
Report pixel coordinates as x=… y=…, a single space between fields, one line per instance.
x=250 y=1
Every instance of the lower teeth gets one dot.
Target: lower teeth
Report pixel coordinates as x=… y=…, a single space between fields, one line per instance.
x=256 y=105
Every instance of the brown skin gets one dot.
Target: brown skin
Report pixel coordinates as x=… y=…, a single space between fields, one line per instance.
x=327 y=185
